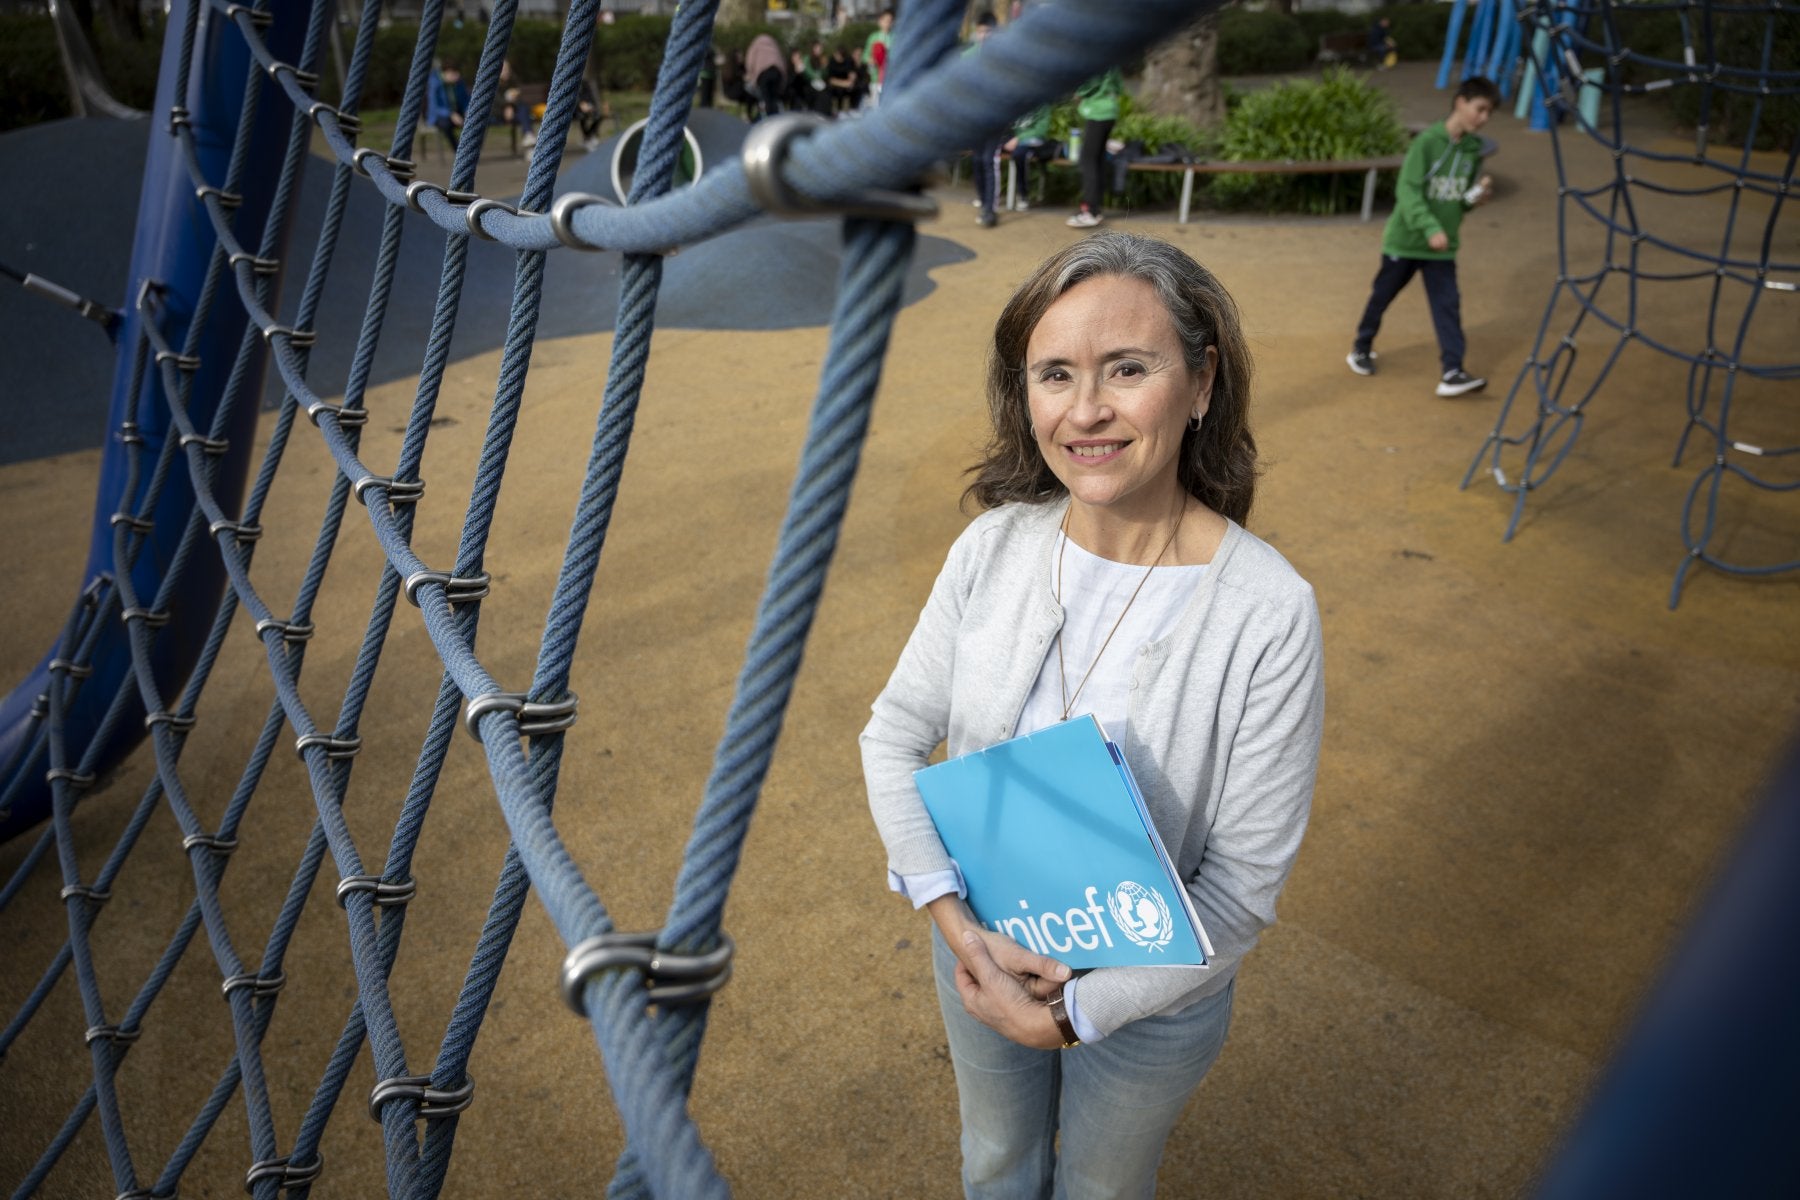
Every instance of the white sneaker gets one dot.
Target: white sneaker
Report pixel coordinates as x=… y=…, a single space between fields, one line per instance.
x=1459 y=382
x=1084 y=220
x=1021 y=205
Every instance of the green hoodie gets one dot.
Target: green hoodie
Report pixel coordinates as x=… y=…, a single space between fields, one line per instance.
x=1428 y=198
x=1098 y=98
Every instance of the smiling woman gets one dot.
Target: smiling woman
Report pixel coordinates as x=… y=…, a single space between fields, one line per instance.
x=1111 y=576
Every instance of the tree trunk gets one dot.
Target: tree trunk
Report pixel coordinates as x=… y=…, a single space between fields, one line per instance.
x=1284 y=7
x=1181 y=76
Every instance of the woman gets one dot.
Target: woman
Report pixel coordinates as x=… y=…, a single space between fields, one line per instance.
x=1110 y=575
x=1097 y=104
x=766 y=72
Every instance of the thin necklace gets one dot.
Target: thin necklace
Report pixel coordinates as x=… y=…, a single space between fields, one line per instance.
x=1062 y=670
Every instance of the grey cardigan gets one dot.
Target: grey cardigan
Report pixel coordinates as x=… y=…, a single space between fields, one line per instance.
x=1225 y=718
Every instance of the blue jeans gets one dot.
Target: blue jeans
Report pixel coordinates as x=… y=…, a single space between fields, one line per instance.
x=1440 y=290
x=1113 y=1102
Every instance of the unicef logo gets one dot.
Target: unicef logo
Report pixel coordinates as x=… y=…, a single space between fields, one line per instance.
x=1141 y=914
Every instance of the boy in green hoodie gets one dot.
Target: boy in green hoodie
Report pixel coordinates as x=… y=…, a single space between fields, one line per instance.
x=1436 y=187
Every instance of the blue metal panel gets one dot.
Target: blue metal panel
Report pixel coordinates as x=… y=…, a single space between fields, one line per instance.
x=174 y=245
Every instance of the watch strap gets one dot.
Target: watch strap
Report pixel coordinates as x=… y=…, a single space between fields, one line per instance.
x=1059 y=1012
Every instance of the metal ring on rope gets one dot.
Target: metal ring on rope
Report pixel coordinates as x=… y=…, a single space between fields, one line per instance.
x=671 y=978
x=350 y=124
x=484 y=204
x=419 y=186
x=564 y=209
x=535 y=720
x=433 y=1102
x=766 y=149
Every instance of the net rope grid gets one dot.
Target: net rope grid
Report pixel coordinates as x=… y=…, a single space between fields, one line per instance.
x=934 y=104
x=1545 y=424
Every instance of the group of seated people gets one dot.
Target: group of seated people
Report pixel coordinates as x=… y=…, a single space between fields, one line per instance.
x=765 y=80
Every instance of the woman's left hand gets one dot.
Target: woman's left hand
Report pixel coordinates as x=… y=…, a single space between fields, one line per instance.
x=998 y=999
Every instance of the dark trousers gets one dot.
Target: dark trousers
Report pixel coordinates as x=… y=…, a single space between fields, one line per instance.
x=1440 y=290
x=1024 y=155
x=987 y=173
x=1093 y=163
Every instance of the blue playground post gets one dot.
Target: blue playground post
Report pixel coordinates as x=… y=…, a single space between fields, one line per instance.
x=1450 y=39
x=172 y=250
x=1545 y=81
x=1505 y=47
x=1481 y=33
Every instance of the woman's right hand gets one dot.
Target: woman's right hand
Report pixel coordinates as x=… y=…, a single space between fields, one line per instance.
x=1041 y=975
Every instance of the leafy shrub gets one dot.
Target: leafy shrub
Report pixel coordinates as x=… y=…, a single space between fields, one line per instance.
x=1258 y=43
x=1337 y=117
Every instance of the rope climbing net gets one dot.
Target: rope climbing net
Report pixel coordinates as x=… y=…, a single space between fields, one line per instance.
x=1717 y=218
x=186 y=507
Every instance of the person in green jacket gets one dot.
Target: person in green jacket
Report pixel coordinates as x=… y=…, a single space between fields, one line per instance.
x=1437 y=186
x=1030 y=143
x=1097 y=104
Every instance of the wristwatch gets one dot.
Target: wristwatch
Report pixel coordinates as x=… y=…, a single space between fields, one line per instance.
x=1059 y=1012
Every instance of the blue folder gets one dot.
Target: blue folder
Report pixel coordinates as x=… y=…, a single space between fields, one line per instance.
x=1059 y=852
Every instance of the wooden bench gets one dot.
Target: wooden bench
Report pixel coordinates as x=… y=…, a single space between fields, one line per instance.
x=1369 y=166
x=532 y=98
x=1350 y=46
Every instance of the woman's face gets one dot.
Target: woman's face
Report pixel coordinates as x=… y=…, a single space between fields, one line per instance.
x=1111 y=394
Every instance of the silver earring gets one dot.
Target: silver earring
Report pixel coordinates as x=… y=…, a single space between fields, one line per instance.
x=1194 y=423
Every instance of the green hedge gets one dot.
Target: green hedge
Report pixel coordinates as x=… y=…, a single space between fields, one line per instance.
x=1262 y=43
x=1340 y=116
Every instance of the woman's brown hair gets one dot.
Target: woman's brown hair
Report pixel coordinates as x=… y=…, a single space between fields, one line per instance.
x=1218 y=463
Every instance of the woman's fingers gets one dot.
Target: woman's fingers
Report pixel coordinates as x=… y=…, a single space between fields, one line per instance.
x=1024 y=963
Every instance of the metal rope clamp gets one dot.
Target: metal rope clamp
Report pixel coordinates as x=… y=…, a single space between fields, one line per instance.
x=284 y=1170
x=347 y=418
x=384 y=894
x=336 y=748
x=458 y=589
x=669 y=978
x=433 y=1102
x=259 y=986
x=765 y=152
x=535 y=720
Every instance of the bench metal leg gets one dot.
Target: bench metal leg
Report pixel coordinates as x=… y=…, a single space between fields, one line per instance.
x=1187 y=194
x=1369 y=194
x=1012 y=185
